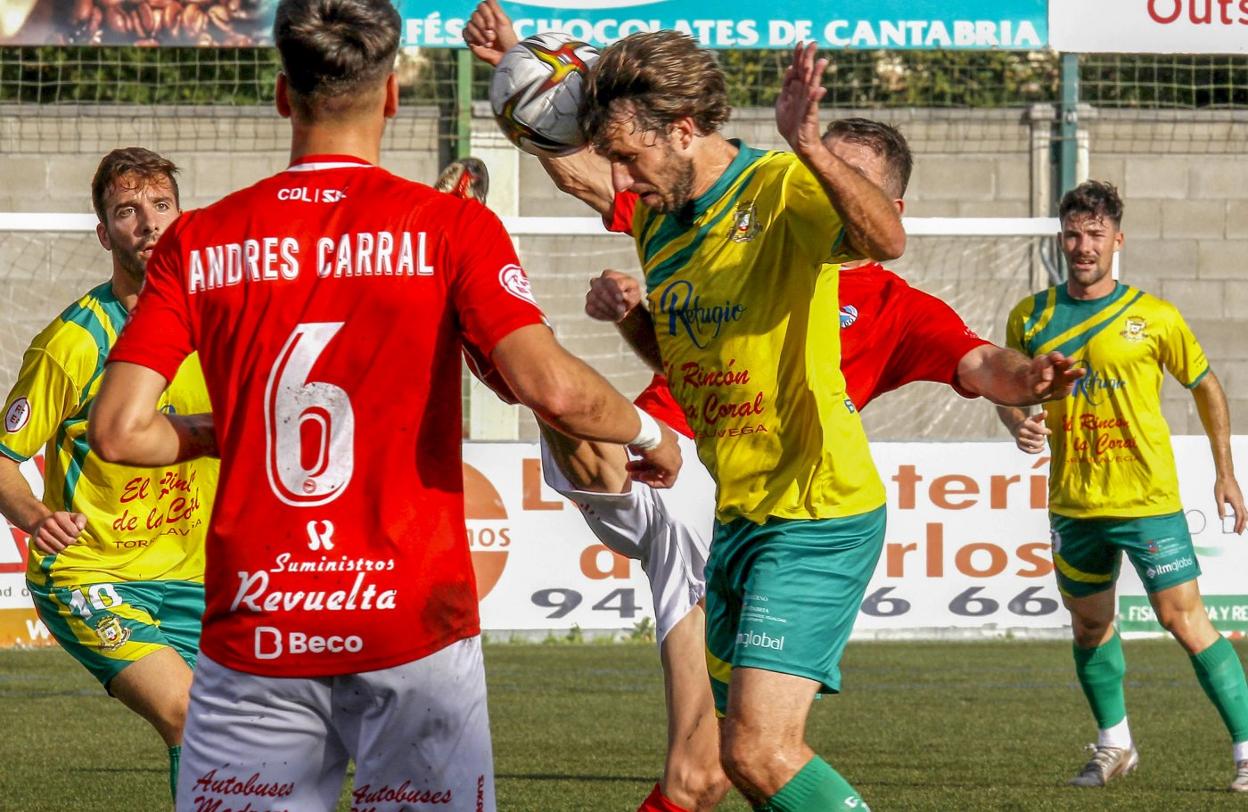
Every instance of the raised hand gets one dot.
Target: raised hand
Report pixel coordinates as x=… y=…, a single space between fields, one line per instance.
x=489 y=33
x=797 y=107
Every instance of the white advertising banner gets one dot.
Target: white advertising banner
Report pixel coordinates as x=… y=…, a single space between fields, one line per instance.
x=1149 y=26
x=966 y=551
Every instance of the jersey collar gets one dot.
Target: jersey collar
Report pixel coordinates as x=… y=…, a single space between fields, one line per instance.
x=745 y=156
x=315 y=163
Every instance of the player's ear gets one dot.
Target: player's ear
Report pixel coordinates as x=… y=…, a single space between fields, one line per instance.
x=901 y=206
x=682 y=132
x=101 y=234
x=281 y=97
x=392 y=95
x=1119 y=239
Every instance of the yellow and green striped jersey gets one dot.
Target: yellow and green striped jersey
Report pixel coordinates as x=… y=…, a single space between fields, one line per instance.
x=744 y=309
x=1110 y=444
x=142 y=524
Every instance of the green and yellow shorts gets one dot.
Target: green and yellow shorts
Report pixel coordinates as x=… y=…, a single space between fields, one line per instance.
x=106 y=627
x=783 y=596
x=1087 y=553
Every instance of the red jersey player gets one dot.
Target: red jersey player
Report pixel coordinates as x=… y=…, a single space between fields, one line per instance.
x=329 y=304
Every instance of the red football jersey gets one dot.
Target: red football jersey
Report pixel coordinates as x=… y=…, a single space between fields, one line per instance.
x=891 y=334
x=329 y=304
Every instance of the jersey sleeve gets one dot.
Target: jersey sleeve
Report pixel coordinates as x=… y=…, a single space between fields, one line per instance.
x=1181 y=353
x=813 y=221
x=934 y=341
x=490 y=292
x=44 y=396
x=620 y=220
x=158 y=334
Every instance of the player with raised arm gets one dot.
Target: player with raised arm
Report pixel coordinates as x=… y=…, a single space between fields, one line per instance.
x=116 y=566
x=670 y=533
x=1113 y=487
x=330 y=303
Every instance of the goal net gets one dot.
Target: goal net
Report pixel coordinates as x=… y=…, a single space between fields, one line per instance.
x=981 y=267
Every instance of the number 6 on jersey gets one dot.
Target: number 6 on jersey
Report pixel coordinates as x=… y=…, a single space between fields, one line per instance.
x=290 y=402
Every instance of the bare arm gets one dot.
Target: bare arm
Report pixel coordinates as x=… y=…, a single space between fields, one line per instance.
x=872 y=223
x=573 y=399
x=585 y=175
x=126 y=427
x=589 y=466
x=1215 y=416
x=50 y=531
x=1009 y=378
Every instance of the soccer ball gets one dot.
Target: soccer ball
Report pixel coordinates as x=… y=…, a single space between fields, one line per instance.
x=536 y=91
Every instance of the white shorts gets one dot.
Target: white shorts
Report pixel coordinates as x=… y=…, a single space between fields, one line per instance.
x=418 y=733
x=668 y=531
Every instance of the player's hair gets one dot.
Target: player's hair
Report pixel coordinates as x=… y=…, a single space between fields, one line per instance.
x=655 y=79
x=1094 y=198
x=142 y=163
x=885 y=141
x=332 y=50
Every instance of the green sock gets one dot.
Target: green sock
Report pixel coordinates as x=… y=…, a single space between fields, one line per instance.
x=816 y=788
x=1222 y=676
x=175 y=758
x=1100 y=671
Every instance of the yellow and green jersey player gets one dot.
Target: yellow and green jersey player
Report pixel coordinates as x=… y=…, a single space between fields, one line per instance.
x=739 y=249
x=1113 y=486
x=116 y=563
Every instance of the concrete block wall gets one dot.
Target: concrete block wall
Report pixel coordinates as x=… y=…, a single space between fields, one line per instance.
x=1185 y=187
x=1185 y=180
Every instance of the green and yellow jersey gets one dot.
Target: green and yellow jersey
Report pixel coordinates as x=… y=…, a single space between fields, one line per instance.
x=1110 y=444
x=142 y=524
x=744 y=309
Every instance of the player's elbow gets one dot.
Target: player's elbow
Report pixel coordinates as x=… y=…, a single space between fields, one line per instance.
x=890 y=245
x=554 y=399
x=109 y=434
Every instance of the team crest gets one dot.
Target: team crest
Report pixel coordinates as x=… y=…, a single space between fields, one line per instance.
x=112 y=634
x=745 y=225
x=849 y=315
x=1136 y=329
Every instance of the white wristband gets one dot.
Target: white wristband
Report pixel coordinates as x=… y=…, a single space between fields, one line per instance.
x=650 y=435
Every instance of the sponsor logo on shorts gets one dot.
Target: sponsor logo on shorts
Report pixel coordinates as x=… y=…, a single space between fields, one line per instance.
x=272 y=643
x=514 y=280
x=18 y=415
x=404 y=793
x=1173 y=566
x=252 y=786
x=112 y=634
x=756 y=640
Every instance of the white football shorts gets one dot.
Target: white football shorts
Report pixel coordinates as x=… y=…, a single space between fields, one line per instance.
x=418 y=733
x=668 y=531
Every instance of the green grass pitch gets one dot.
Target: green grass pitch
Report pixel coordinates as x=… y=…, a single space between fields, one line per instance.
x=922 y=726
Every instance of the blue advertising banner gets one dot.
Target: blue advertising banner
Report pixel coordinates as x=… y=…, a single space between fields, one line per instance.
x=883 y=24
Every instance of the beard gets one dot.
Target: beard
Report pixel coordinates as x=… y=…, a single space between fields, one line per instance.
x=679 y=191
x=132 y=263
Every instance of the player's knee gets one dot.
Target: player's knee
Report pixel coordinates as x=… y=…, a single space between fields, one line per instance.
x=1190 y=626
x=698 y=786
x=1089 y=632
x=745 y=757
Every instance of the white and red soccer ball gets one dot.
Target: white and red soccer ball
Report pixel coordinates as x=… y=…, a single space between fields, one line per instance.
x=536 y=90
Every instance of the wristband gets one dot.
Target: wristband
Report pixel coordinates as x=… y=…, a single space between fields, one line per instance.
x=650 y=436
